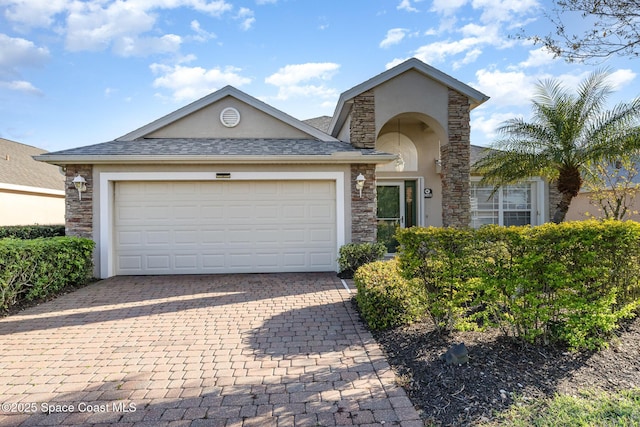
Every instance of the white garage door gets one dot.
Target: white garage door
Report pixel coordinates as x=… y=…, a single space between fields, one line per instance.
x=195 y=227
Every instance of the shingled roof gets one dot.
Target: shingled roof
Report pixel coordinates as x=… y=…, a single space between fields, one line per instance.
x=208 y=150
x=17 y=167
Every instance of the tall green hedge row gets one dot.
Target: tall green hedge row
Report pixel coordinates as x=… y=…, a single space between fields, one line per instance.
x=31 y=231
x=31 y=269
x=571 y=283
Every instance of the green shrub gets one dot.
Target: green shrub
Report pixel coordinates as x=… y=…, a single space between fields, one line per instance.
x=386 y=299
x=570 y=283
x=354 y=255
x=443 y=261
x=31 y=231
x=32 y=269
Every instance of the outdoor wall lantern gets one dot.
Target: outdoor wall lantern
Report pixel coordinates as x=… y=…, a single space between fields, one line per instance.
x=81 y=185
x=360 y=183
x=438 y=165
x=399 y=163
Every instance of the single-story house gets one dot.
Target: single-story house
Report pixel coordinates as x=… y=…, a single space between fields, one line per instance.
x=229 y=183
x=30 y=192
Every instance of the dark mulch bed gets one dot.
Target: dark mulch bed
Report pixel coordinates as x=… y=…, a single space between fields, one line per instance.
x=500 y=369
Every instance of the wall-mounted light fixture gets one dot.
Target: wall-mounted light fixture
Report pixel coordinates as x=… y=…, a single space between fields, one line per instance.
x=438 y=165
x=81 y=185
x=360 y=183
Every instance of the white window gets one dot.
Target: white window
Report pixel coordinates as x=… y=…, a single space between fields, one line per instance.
x=509 y=205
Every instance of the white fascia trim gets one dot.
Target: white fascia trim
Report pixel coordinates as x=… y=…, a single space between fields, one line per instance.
x=339 y=158
x=28 y=189
x=106 y=180
x=216 y=96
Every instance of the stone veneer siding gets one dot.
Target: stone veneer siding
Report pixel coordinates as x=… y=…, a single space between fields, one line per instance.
x=362 y=130
x=456 y=205
x=79 y=213
x=364 y=226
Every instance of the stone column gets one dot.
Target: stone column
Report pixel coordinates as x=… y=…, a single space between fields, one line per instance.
x=79 y=213
x=456 y=206
x=363 y=209
x=362 y=129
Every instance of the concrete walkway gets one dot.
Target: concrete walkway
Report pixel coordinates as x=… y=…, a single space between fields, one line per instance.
x=227 y=350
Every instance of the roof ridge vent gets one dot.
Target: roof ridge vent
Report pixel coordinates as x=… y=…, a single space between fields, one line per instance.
x=230 y=117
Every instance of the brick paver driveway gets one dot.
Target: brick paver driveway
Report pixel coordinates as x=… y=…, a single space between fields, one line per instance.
x=227 y=350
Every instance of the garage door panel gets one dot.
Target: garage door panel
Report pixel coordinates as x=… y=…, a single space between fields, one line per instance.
x=216 y=227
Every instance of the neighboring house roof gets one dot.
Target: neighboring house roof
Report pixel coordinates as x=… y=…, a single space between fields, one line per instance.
x=20 y=172
x=216 y=150
x=342 y=109
x=478 y=153
x=215 y=97
x=321 y=123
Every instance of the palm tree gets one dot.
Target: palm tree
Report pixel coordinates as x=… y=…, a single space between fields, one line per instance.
x=567 y=132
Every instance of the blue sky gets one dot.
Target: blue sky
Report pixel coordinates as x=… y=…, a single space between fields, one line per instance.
x=79 y=72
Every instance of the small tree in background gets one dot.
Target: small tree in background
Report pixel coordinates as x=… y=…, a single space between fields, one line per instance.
x=605 y=28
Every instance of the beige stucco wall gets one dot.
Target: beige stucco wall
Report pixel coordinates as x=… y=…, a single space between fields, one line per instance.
x=406 y=93
x=401 y=104
x=98 y=169
x=28 y=209
x=205 y=123
x=581 y=205
x=426 y=143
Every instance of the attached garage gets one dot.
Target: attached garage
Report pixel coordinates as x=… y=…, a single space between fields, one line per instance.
x=195 y=227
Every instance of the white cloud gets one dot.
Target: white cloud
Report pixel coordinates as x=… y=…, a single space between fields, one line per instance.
x=469 y=57
x=512 y=88
x=293 y=74
x=293 y=80
x=189 y=83
x=620 y=78
x=394 y=36
x=92 y=27
x=247 y=18
x=144 y=46
x=306 y=91
x=34 y=13
x=447 y=7
x=487 y=125
x=201 y=34
x=437 y=52
x=15 y=54
x=537 y=58
x=406 y=6
x=21 y=86
x=504 y=10
x=96 y=25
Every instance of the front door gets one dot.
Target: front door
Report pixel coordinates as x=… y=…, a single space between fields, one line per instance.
x=396 y=209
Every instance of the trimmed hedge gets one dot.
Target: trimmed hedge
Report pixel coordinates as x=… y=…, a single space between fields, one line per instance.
x=386 y=299
x=31 y=231
x=32 y=269
x=570 y=283
x=354 y=255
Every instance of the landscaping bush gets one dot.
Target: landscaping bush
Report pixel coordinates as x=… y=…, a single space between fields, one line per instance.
x=354 y=255
x=444 y=262
x=570 y=283
x=31 y=231
x=32 y=269
x=386 y=299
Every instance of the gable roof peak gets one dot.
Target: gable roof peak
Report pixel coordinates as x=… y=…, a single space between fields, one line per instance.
x=215 y=97
x=476 y=97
